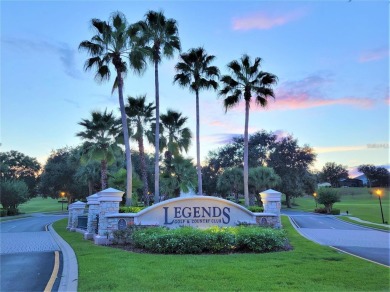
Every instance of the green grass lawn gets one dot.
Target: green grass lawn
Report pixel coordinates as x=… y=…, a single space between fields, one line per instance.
x=381 y=227
x=358 y=201
x=309 y=267
x=40 y=205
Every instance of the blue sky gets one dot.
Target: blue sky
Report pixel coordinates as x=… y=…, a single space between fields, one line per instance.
x=331 y=57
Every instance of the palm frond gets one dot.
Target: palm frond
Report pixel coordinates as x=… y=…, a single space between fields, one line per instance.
x=92 y=48
x=231 y=101
x=102 y=74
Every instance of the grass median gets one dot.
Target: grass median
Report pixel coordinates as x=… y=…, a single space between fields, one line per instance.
x=309 y=267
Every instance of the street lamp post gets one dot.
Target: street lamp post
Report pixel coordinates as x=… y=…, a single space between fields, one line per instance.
x=315 y=198
x=62 y=200
x=379 y=194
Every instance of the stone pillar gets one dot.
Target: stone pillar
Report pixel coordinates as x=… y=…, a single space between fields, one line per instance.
x=272 y=202
x=76 y=209
x=93 y=210
x=109 y=200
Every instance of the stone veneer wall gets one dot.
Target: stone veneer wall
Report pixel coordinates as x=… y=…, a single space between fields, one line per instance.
x=108 y=203
x=112 y=223
x=268 y=221
x=104 y=224
x=93 y=211
x=75 y=210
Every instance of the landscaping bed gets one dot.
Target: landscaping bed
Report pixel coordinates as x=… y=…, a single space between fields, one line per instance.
x=189 y=240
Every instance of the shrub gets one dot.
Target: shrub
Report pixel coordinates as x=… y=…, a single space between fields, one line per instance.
x=131 y=209
x=219 y=239
x=125 y=236
x=3 y=213
x=189 y=240
x=320 y=210
x=260 y=239
x=13 y=193
x=335 y=212
x=13 y=211
x=256 y=209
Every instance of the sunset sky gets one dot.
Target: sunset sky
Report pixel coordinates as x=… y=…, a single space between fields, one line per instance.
x=331 y=58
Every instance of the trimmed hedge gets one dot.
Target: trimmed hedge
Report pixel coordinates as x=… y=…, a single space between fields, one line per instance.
x=189 y=240
x=335 y=212
x=130 y=209
x=324 y=211
x=256 y=209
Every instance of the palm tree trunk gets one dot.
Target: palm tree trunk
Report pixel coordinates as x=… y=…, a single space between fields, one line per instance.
x=129 y=172
x=143 y=170
x=200 y=191
x=246 y=190
x=103 y=175
x=157 y=138
x=90 y=187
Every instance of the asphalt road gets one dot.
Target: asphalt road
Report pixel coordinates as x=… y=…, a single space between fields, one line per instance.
x=27 y=254
x=364 y=242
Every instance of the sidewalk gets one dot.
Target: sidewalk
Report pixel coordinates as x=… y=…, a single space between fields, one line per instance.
x=368 y=222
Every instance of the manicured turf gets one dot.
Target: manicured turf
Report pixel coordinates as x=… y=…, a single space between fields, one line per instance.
x=347 y=219
x=309 y=267
x=357 y=201
x=39 y=205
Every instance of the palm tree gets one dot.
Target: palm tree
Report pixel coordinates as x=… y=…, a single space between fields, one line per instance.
x=195 y=71
x=140 y=117
x=159 y=38
x=262 y=178
x=99 y=135
x=111 y=44
x=174 y=136
x=246 y=81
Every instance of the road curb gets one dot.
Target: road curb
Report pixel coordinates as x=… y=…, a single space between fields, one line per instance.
x=69 y=277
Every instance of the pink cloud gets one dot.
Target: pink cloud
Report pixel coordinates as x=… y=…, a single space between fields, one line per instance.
x=264 y=21
x=307 y=93
x=304 y=101
x=374 y=55
x=286 y=101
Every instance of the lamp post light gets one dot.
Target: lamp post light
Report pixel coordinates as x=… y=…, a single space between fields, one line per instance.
x=379 y=194
x=315 y=198
x=62 y=200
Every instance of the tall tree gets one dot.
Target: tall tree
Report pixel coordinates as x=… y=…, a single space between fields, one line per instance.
x=140 y=118
x=178 y=174
x=159 y=38
x=194 y=70
x=15 y=165
x=59 y=176
x=291 y=162
x=175 y=137
x=100 y=133
x=230 y=182
x=260 y=179
x=332 y=173
x=110 y=45
x=377 y=176
x=247 y=81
